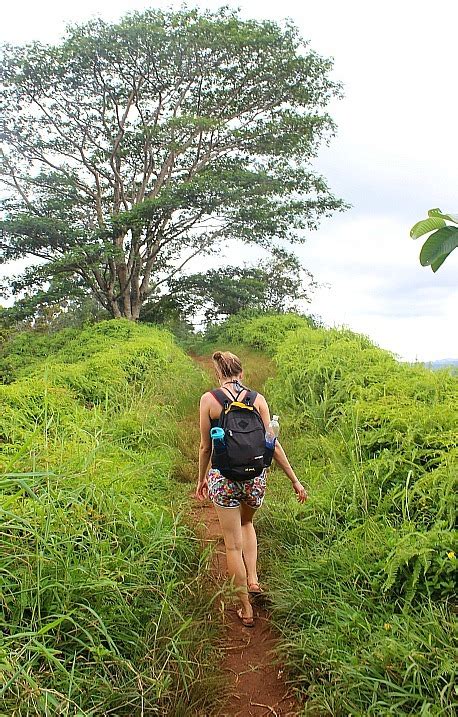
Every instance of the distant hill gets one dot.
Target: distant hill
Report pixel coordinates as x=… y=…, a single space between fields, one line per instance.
x=442 y=363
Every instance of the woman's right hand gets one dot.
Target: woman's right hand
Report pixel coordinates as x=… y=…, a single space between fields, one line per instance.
x=202 y=489
x=300 y=491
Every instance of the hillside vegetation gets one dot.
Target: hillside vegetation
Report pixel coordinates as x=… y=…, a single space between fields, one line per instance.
x=102 y=606
x=363 y=576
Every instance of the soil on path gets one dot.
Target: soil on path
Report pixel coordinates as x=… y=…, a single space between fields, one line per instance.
x=255 y=682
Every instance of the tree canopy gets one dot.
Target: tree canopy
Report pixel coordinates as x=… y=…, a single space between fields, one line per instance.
x=132 y=147
x=277 y=285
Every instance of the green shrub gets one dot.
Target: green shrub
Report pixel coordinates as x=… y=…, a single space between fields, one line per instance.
x=265 y=331
x=96 y=600
x=363 y=575
x=24 y=349
x=103 y=607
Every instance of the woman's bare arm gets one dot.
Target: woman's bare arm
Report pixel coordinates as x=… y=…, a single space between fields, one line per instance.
x=205 y=447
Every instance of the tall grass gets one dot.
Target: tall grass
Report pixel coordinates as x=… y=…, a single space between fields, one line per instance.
x=363 y=577
x=103 y=606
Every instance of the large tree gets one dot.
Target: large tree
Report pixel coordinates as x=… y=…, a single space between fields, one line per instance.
x=131 y=147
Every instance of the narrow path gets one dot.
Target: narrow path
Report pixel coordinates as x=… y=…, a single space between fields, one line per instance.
x=255 y=682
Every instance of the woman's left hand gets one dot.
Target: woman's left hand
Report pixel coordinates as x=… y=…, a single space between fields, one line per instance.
x=202 y=489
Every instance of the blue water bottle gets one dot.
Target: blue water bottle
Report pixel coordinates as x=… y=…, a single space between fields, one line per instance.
x=217 y=436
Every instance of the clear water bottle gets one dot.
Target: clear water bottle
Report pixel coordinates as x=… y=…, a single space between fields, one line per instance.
x=217 y=436
x=272 y=432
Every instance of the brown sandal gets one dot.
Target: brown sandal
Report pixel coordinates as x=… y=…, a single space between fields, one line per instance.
x=254 y=589
x=246 y=621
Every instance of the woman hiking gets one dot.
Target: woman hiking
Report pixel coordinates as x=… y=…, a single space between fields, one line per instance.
x=237 y=498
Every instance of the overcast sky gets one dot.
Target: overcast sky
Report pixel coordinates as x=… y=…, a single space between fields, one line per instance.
x=393 y=159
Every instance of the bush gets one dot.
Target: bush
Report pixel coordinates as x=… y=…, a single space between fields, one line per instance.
x=363 y=575
x=260 y=331
x=103 y=607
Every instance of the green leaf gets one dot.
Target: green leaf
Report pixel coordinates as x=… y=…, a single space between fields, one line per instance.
x=438 y=213
x=438 y=262
x=54 y=623
x=425 y=226
x=438 y=245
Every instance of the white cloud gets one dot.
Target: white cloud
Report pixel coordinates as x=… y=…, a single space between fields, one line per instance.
x=378 y=287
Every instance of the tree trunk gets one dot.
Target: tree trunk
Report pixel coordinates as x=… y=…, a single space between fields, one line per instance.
x=136 y=307
x=114 y=310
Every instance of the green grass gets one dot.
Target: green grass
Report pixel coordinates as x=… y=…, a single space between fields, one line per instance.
x=363 y=576
x=103 y=602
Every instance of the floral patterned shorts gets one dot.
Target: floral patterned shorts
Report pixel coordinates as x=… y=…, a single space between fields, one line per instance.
x=229 y=494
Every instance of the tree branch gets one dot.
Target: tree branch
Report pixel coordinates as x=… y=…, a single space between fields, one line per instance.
x=175 y=271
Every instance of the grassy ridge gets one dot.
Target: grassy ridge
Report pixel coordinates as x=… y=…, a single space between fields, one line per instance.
x=102 y=605
x=364 y=575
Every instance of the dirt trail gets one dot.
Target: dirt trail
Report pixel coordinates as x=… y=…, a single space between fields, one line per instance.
x=256 y=684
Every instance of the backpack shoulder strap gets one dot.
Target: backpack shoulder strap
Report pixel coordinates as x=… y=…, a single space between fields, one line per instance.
x=221 y=397
x=250 y=397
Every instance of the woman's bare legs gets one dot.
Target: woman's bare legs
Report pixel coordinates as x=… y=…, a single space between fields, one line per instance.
x=231 y=525
x=249 y=543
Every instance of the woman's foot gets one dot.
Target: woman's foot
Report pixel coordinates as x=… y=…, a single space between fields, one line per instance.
x=247 y=621
x=254 y=588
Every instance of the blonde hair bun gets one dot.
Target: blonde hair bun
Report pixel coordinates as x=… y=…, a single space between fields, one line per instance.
x=227 y=364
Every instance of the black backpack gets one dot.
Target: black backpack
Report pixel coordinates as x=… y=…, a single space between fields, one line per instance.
x=245 y=454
